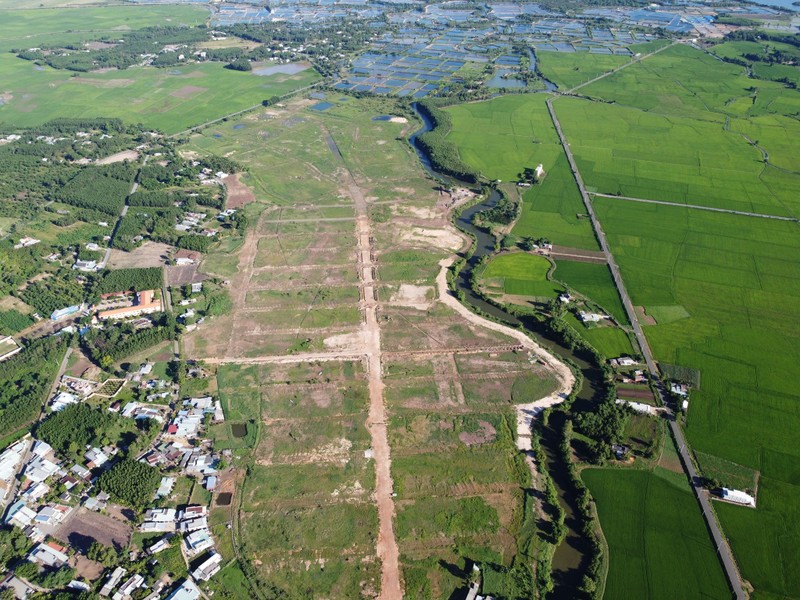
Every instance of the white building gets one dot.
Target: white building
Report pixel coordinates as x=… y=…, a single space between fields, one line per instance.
x=738 y=497
x=208 y=568
x=186 y=591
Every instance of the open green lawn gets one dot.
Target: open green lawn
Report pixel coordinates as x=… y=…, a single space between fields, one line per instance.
x=522 y=274
x=659 y=547
x=500 y=138
x=568 y=69
x=737 y=282
x=166 y=99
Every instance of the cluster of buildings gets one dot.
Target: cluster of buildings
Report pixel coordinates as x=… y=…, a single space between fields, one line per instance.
x=35 y=506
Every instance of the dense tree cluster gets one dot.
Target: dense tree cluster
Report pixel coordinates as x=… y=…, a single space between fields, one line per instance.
x=130 y=482
x=25 y=380
x=106 y=346
x=72 y=429
x=99 y=188
x=133 y=280
x=46 y=295
x=120 y=51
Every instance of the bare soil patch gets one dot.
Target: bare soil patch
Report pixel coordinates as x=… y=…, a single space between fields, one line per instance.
x=87 y=527
x=88 y=569
x=238 y=193
x=644 y=318
x=119 y=157
x=485 y=435
x=427 y=238
x=188 y=91
x=149 y=254
x=184 y=275
x=413 y=295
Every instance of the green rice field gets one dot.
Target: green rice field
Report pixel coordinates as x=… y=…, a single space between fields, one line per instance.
x=629 y=152
x=733 y=283
x=568 y=69
x=658 y=543
x=170 y=100
x=500 y=138
x=592 y=280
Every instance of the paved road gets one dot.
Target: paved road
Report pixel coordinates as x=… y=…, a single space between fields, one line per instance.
x=723 y=550
x=698 y=207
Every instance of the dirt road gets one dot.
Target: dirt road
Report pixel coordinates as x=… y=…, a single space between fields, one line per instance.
x=564 y=376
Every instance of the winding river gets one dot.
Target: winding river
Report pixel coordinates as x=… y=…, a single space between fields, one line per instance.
x=572 y=556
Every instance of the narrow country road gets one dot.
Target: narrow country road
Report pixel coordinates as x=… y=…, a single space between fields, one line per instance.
x=723 y=549
x=697 y=207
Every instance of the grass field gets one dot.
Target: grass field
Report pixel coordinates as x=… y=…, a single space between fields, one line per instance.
x=166 y=99
x=521 y=274
x=29 y=28
x=687 y=82
x=568 y=69
x=658 y=543
x=738 y=280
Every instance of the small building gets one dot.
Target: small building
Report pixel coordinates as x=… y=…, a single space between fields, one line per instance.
x=737 y=497
x=565 y=298
x=40 y=469
x=49 y=555
x=209 y=567
x=26 y=242
x=64 y=312
x=165 y=488
x=126 y=590
x=198 y=541
x=10 y=460
x=112 y=581
x=62 y=400
x=197 y=287
x=186 y=591
x=8 y=348
x=20 y=515
x=210 y=483
x=587 y=317
x=87 y=266
x=623 y=361
x=96 y=458
x=679 y=389
x=160 y=545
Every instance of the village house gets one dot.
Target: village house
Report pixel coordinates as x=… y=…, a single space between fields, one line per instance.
x=112 y=581
x=208 y=568
x=198 y=541
x=10 y=459
x=146 y=303
x=49 y=555
x=20 y=515
x=186 y=591
x=587 y=317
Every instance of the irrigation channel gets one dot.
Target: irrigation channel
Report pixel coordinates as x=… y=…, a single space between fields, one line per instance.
x=572 y=556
